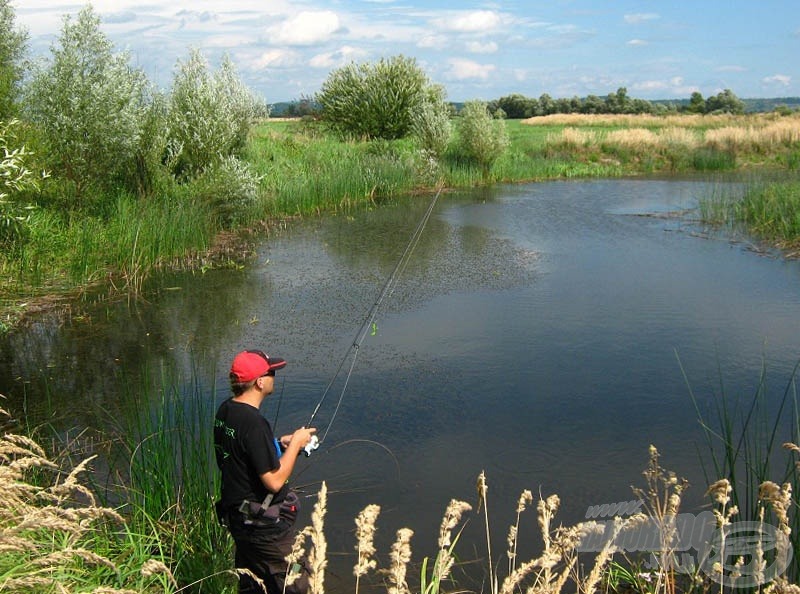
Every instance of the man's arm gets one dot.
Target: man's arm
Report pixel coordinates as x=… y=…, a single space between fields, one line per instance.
x=275 y=479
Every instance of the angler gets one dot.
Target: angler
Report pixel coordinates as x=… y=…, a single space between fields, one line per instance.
x=257 y=505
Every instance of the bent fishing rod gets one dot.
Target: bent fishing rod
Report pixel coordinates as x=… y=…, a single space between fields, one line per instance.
x=368 y=324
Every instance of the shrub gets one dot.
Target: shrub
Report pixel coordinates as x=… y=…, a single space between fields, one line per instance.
x=14 y=177
x=482 y=138
x=90 y=105
x=373 y=100
x=431 y=123
x=229 y=187
x=12 y=48
x=209 y=115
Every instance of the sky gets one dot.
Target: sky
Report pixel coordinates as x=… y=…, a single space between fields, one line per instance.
x=666 y=49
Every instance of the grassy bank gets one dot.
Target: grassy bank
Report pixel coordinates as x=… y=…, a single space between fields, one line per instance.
x=302 y=170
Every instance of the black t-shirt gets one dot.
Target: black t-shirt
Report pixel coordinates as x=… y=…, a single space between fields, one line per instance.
x=245 y=449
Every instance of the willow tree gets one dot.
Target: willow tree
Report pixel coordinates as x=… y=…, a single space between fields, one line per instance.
x=91 y=106
x=12 y=49
x=374 y=100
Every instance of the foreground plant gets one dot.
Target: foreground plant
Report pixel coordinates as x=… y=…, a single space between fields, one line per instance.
x=56 y=537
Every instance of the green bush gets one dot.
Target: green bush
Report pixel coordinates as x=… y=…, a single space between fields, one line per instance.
x=209 y=115
x=90 y=105
x=366 y=101
x=481 y=138
x=229 y=187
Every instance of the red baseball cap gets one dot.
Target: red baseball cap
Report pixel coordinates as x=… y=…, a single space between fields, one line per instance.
x=252 y=364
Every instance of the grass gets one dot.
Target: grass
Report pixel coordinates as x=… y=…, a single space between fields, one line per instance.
x=766 y=211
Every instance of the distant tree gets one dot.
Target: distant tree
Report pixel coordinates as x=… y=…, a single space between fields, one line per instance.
x=303 y=107
x=593 y=104
x=618 y=102
x=13 y=43
x=90 y=104
x=373 y=100
x=725 y=102
x=696 y=103
x=546 y=105
x=516 y=106
x=481 y=138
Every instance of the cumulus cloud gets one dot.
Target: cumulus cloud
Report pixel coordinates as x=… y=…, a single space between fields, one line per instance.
x=476 y=47
x=783 y=80
x=305 y=28
x=641 y=17
x=461 y=69
x=477 y=21
x=275 y=58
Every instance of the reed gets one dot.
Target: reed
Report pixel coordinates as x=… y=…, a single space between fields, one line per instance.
x=57 y=537
x=767 y=211
x=744 y=446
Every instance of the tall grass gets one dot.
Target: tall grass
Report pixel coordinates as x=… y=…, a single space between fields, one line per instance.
x=746 y=442
x=168 y=479
x=767 y=211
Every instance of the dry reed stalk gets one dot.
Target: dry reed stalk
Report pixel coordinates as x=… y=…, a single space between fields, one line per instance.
x=297 y=552
x=525 y=499
x=675 y=136
x=317 y=556
x=365 y=534
x=483 y=489
x=632 y=138
x=43 y=527
x=572 y=137
x=444 y=558
x=662 y=499
x=399 y=556
x=153 y=567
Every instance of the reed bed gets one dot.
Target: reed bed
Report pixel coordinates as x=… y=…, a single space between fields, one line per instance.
x=655 y=121
x=56 y=537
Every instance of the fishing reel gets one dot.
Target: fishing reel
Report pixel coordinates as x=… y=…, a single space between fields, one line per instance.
x=311 y=445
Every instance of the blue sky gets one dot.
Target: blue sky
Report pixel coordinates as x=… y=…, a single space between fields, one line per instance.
x=477 y=50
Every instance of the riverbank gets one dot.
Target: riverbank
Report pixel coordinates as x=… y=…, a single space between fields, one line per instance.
x=304 y=171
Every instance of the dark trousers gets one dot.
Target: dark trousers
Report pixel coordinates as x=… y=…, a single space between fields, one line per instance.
x=263 y=550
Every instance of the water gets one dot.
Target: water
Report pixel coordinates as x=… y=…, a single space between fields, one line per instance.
x=537 y=334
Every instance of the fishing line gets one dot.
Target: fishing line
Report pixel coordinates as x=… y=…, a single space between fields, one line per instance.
x=365 y=327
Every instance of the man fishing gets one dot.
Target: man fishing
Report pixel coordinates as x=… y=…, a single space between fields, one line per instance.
x=257 y=505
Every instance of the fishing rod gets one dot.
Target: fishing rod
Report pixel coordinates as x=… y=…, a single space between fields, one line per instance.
x=367 y=325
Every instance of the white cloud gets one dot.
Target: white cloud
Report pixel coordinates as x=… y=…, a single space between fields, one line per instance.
x=478 y=21
x=338 y=58
x=778 y=79
x=304 y=28
x=275 y=58
x=461 y=69
x=476 y=47
x=641 y=17
x=637 y=42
